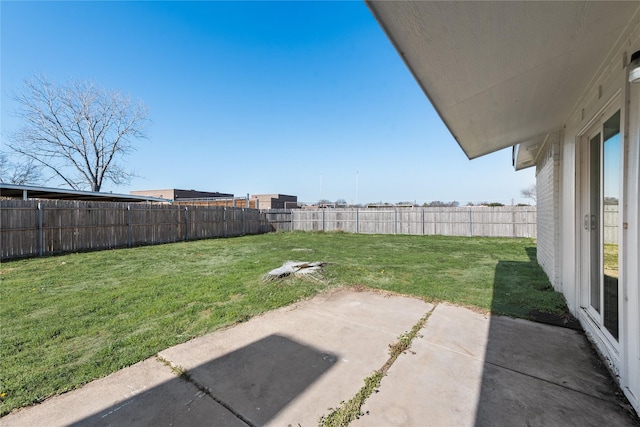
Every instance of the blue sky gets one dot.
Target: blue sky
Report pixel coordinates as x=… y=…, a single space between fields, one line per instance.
x=302 y=98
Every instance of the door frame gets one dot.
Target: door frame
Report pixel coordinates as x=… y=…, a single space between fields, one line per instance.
x=591 y=320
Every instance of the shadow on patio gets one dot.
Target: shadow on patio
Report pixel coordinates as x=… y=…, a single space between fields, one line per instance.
x=248 y=386
x=539 y=374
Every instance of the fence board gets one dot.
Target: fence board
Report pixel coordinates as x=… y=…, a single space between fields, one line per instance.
x=505 y=221
x=71 y=226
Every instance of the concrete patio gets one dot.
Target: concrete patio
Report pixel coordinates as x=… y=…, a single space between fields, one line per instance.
x=289 y=366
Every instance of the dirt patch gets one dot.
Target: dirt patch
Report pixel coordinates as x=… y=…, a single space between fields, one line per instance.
x=564 y=320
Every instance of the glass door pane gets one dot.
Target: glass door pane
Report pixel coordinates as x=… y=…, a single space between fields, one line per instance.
x=611 y=217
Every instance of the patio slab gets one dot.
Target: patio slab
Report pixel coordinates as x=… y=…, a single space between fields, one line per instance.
x=472 y=369
x=289 y=366
x=286 y=367
x=145 y=394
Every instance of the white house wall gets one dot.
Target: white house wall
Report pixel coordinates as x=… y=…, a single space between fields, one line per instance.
x=610 y=83
x=567 y=230
x=631 y=248
x=548 y=210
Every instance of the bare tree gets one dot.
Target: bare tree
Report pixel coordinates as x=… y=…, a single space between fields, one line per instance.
x=18 y=172
x=529 y=193
x=78 y=132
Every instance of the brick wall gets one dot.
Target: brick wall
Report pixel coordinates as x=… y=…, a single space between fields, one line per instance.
x=548 y=205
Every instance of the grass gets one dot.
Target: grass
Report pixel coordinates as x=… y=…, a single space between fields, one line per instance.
x=70 y=319
x=611 y=259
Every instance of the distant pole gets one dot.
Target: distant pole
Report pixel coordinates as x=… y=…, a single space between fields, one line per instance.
x=356 y=187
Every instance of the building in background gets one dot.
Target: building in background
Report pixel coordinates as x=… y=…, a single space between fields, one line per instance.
x=174 y=194
x=275 y=201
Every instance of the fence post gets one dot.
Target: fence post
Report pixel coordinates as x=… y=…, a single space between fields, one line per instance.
x=224 y=220
x=291 y=217
x=186 y=223
x=423 y=221
x=323 y=218
x=40 y=232
x=526 y=222
x=470 y=223
x=395 y=221
x=357 y=218
x=244 y=220
x=128 y=225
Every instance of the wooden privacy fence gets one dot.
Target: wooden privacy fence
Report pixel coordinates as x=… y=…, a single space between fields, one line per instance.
x=37 y=228
x=505 y=221
x=610 y=223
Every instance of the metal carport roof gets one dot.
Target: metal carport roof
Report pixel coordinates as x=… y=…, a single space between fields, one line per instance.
x=34 y=192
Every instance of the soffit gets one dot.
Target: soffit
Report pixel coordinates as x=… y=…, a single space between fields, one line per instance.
x=504 y=73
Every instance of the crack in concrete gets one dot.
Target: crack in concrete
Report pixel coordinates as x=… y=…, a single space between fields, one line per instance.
x=184 y=375
x=353 y=406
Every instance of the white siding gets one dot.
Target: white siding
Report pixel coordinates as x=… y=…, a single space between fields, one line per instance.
x=631 y=253
x=566 y=273
x=568 y=250
x=548 y=199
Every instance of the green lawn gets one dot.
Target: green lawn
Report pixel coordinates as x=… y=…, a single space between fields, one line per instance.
x=70 y=319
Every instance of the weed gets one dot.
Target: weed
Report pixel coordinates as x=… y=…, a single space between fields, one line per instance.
x=352 y=410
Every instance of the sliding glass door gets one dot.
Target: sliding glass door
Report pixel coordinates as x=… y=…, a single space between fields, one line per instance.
x=601 y=217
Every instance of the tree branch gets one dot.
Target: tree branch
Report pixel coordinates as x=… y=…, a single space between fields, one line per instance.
x=77 y=132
